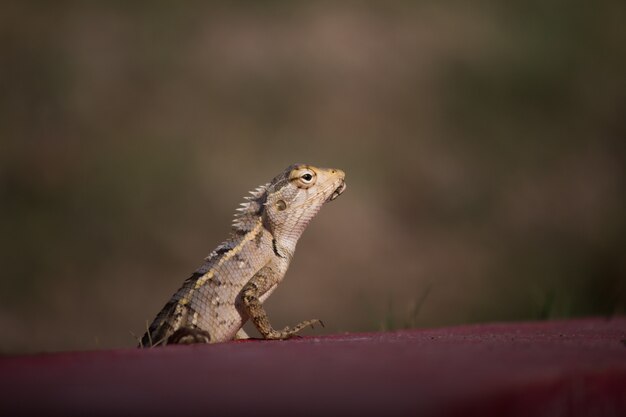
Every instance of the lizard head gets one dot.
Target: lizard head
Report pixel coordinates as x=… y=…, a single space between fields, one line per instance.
x=296 y=195
x=289 y=202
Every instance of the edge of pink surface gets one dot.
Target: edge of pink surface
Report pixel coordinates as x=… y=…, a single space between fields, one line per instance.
x=564 y=368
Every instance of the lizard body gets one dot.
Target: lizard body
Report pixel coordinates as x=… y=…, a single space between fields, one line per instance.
x=242 y=272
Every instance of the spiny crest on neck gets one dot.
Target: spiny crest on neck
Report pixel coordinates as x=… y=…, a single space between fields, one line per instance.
x=248 y=214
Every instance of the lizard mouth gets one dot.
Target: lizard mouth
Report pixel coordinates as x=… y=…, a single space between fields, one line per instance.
x=338 y=191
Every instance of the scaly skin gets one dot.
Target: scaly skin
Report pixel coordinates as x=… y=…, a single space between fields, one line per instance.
x=241 y=273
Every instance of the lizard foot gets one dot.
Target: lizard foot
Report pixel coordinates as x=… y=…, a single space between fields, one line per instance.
x=289 y=332
x=189 y=336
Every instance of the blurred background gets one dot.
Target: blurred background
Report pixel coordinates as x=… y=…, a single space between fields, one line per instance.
x=483 y=145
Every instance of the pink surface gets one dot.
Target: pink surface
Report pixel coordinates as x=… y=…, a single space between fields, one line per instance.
x=559 y=368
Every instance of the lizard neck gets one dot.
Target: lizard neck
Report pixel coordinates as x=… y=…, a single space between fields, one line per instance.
x=287 y=231
x=284 y=242
x=285 y=247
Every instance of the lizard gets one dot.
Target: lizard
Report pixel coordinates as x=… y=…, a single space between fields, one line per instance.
x=236 y=278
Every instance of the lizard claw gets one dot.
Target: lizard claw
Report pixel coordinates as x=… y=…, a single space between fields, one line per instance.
x=316 y=321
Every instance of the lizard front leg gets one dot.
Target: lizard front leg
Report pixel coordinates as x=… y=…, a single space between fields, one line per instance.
x=251 y=293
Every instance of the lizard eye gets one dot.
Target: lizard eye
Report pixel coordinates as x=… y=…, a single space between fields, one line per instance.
x=303 y=177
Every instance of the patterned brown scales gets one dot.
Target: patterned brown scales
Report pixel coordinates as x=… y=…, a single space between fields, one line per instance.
x=242 y=272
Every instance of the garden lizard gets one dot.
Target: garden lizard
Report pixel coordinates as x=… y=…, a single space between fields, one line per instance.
x=241 y=273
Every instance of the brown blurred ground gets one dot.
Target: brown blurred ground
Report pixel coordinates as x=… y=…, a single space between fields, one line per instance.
x=483 y=145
